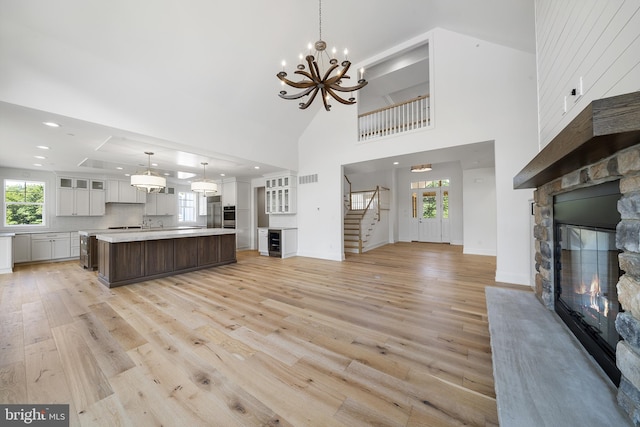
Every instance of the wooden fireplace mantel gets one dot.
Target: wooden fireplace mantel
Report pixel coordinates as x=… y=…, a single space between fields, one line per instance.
x=604 y=127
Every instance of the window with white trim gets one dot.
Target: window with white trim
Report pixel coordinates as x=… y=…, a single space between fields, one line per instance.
x=24 y=203
x=186 y=206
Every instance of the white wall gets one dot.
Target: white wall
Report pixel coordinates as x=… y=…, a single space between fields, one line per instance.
x=596 y=40
x=407 y=225
x=479 y=199
x=482 y=92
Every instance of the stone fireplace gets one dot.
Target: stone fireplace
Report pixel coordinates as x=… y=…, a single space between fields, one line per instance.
x=599 y=148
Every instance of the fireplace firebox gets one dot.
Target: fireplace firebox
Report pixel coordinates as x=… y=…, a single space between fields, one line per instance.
x=587 y=269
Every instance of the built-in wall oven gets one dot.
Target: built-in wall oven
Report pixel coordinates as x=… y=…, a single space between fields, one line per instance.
x=229 y=217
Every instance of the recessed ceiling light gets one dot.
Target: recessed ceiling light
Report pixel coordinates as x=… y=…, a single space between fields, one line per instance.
x=37 y=164
x=222 y=174
x=42 y=147
x=166 y=174
x=154 y=164
x=119 y=168
x=51 y=124
x=40 y=157
x=396 y=163
x=127 y=174
x=256 y=167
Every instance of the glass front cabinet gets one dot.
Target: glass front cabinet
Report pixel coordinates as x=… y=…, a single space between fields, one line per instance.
x=280 y=195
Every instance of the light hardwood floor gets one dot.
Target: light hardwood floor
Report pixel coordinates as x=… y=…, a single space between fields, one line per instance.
x=397 y=336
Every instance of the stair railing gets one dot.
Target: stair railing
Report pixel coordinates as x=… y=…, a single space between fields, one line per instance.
x=348 y=202
x=373 y=197
x=406 y=116
x=368 y=201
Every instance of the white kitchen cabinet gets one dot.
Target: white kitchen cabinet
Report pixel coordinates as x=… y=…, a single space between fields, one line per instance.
x=74 y=239
x=112 y=191
x=80 y=197
x=289 y=242
x=127 y=193
x=97 y=202
x=22 y=248
x=236 y=193
x=263 y=241
x=280 y=195
x=47 y=246
x=72 y=197
x=97 y=198
x=69 y=182
x=229 y=193
x=123 y=192
x=243 y=237
x=162 y=204
x=6 y=253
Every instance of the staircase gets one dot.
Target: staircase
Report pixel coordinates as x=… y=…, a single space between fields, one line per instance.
x=354 y=221
x=362 y=214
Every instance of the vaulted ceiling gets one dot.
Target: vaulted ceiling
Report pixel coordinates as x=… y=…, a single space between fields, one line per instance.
x=193 y=80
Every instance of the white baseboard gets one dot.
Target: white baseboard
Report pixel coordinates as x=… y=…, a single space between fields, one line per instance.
x=478 y=251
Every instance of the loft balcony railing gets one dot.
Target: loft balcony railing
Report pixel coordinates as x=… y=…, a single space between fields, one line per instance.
x=403 y=117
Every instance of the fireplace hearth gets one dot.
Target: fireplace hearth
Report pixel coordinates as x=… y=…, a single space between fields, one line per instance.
x=587 y=270
x=575 y=262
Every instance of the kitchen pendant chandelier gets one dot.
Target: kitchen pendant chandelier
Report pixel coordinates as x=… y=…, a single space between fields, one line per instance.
x=148 y=181
x=317 y=79
x=205 y=186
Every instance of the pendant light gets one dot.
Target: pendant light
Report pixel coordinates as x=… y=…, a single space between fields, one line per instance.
x=421 y=168
x=205 y=186
x=148 y=181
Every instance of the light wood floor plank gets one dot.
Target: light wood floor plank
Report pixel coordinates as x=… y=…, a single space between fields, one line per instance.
x=108 y=353
x=11 y=338
x=87 y=382
x=13 y=386
x=35 y=322
x=45 y=379
x=397 y=336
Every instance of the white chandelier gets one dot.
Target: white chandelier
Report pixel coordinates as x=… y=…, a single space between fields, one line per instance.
x=148 y=181
x=205 y=186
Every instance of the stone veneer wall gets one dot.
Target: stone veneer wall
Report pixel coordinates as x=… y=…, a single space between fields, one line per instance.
x=624 y=165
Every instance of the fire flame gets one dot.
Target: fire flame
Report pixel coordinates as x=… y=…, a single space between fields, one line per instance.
x=594 y=292
x=596 y=299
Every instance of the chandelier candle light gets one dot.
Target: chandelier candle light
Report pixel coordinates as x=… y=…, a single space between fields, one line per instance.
x=316 y=79
x=205 y=186
x=148 y=181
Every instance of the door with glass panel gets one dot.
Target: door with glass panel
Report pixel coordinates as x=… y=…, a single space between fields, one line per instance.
x=431 y=210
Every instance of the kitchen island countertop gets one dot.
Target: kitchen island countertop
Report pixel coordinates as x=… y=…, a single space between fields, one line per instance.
x=140 y=236
x=96 y=231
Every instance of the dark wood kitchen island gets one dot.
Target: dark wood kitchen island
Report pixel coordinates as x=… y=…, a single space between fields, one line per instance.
x=136 y=256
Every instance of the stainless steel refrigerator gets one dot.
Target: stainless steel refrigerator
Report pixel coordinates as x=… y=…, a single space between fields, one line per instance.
x=214 y=212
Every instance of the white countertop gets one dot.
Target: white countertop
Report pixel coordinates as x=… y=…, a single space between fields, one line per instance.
x=95 y=232
x=140 y=236
x=7 y=234
x=280 y=228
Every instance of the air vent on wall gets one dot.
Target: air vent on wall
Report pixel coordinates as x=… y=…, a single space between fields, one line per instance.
x=308 y=179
